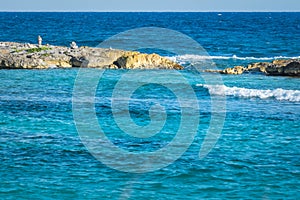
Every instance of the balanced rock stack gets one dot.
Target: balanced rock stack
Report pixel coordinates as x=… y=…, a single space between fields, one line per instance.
x=29 y=56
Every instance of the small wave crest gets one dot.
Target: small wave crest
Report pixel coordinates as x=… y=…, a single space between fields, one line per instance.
x=278 y=94
x=194 y=58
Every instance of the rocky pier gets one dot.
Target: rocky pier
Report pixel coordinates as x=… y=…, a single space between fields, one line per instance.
x=30 y=56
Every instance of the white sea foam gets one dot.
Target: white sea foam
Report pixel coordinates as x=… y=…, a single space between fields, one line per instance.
x=194 y=58
x=278 y=94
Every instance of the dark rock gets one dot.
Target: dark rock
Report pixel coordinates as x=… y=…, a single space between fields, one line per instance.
x=79 y=62
x=285 y=68
x=290 y=67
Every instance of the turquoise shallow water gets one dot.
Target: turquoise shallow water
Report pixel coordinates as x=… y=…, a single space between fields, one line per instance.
x=256 y=157
x=43 y=157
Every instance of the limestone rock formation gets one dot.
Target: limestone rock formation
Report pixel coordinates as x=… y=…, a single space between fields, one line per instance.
x=284 y=68
x=234 y=70
x=135 y=60
x=29 y=56
x=257 y=67
x=290 y=67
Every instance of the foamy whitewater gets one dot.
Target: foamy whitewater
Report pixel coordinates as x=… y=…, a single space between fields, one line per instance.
x=278 y=94
x=194 y=58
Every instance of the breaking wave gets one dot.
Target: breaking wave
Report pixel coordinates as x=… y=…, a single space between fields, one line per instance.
x=278 y=94
x=193 y=58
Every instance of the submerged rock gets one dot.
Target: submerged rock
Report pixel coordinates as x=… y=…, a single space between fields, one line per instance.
x=25 y=56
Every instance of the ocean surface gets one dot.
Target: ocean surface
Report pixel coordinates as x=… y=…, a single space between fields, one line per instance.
x=257 y=155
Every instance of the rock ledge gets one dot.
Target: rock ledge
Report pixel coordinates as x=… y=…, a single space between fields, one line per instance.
x=289 y=67
x=29 y=56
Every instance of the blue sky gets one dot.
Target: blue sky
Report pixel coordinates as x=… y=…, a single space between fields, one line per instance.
x=150 y=5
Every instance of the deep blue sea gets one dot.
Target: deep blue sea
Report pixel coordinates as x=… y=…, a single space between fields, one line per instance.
x=43 y=150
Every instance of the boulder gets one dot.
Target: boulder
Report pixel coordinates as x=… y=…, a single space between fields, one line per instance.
x=73 y=45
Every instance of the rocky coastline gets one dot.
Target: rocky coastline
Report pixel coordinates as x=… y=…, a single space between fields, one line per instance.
x=289 y=67
x=36 y=56
x=32 y=56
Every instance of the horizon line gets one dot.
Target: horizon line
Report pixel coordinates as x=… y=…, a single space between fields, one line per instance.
x=102 y=11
